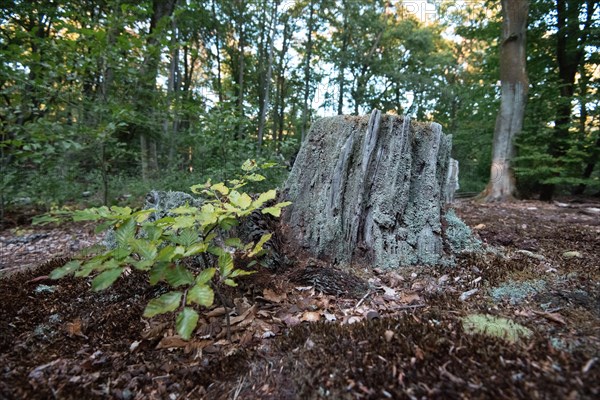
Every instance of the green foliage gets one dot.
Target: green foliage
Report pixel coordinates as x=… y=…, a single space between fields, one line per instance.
x=159 y=246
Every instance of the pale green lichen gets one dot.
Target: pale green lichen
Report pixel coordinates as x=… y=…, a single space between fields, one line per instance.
x=495 y=327
x=459 y=235
x=516 y=292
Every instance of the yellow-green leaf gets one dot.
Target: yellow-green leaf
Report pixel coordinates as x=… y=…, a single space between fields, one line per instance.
x=230 y=282
x=166 y=303
x=259 y=246
x=186 y=322
x=249 y=165
x=264 y=197
x=242 y=200
x=221 y=188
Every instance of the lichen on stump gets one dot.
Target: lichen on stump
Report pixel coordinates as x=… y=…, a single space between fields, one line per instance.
x=371 y=190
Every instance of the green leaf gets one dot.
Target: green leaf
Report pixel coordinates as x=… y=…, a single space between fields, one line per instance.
x=65 y=270
x=106 y=279
x=144 y=248
x=183 y=221
x=142 y=215
x=221 y=188
x=264 y=197
x=234 y=242
x=242 y=200
x=125 y=232
x=259 y=246
x=268 y=165
x=255 y=178
x=249 y=165
x=178 y=275
x=166 y=303
x=186 y=322
x=230 y=282
x=276 y=209
x=195 y=249
x=205 y=276
x=186 y=237
x=44 y=219
x=157 y=272
x=153 y=232
x=183 y=210
x=91 y=266
x=166 y=254
x=240 y=272
x=143 y=265
x=89 y=214
x=228 y=223
x=225 y=264
x=201 y=294
x=104 y=226
x=120 y=212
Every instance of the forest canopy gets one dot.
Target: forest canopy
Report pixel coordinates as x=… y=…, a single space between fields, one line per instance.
x=100 y=101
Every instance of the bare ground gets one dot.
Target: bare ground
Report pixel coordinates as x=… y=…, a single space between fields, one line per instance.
x=403 y=338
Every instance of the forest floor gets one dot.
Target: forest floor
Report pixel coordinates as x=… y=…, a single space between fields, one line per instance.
x=407 y=337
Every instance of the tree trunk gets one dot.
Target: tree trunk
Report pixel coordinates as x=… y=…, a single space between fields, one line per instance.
x=307 y=59
x=371 y=191
x=513 y=77
x=267 y=79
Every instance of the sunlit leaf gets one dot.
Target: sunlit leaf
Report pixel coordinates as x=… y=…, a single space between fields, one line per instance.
x=230 y=282
x=259 y=246
x=144 y=248
x=183 y=221
x=221 y=188
x=242 y=200
x=249 y=165
x=264 y=197
x=106 y=279
x=166 y=303
x=157 y=272
x=186 y=322
x=255 y=178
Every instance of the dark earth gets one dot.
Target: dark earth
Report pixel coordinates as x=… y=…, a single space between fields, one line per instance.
x=291 y=337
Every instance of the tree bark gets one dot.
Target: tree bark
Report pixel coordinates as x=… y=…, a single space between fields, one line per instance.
x=370 y=191
x=509 y=122
x=307 y=59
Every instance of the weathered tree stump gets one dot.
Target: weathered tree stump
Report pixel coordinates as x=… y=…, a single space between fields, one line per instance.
x=371 y=190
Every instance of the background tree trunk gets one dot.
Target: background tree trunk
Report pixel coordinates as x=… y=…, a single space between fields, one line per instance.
x=370 y=190
x=513 y=77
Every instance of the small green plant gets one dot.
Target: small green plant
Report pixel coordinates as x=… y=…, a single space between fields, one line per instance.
x=158 y=247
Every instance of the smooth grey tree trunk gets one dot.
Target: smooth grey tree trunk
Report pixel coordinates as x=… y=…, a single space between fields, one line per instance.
x=509 y=122
x=371 y=191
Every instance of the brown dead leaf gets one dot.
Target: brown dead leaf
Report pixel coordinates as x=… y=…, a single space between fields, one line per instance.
x=291 y=320
x=556 y=317
x=410 y=298
x=273 y=297
x=248 y=313
x=74 y=328
x=217 y=312
x=479 y=226
x=171 y=342
x=155 y=331
x=310 y=316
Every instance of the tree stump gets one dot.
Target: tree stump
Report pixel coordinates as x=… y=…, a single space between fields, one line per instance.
x=371 y=190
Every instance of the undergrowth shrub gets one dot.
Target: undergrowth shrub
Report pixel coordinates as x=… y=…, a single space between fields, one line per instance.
x=159 y=246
